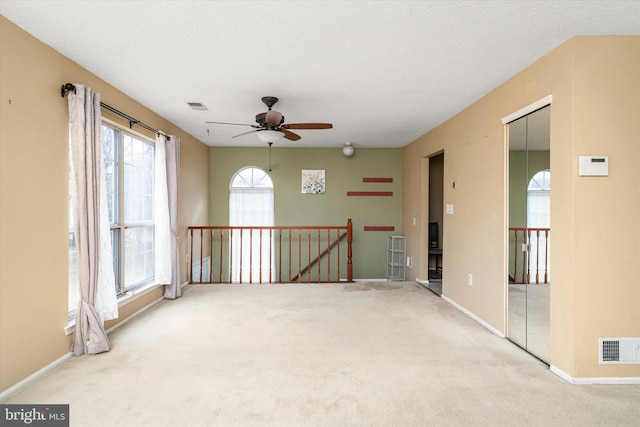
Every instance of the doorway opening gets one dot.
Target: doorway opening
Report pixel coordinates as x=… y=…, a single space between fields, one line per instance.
x=435 y=223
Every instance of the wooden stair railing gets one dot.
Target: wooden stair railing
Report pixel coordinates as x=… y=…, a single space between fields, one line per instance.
x=315 y=261
x=526 y=273
x=270 y=254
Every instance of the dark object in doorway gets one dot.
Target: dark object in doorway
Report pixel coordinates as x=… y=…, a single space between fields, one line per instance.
x=434 y=250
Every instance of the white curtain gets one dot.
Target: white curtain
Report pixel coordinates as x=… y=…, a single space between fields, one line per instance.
x=98 y=300
x=161 y=216
x=247 y=207
x=172 y=150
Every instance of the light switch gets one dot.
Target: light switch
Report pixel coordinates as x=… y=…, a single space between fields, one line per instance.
x=449 y=209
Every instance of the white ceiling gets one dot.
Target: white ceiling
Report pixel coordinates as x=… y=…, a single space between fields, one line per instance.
x=383 y=72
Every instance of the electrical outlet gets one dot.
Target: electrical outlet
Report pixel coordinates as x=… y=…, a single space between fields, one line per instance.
x=470 y=279
x=409 y=262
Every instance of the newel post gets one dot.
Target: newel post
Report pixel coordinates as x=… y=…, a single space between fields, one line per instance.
x=349 y=251
x=190 y=237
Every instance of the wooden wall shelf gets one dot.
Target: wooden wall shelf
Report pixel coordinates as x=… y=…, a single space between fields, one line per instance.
x=370 y=193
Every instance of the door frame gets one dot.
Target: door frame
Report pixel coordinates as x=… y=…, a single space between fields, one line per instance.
x=522 y=112
x=424 y=217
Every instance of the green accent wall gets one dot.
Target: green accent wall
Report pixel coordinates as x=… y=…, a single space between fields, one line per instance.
x=332 y=208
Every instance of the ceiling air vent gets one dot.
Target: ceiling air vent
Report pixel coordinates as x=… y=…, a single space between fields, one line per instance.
x=197 y=106
x=619 y=351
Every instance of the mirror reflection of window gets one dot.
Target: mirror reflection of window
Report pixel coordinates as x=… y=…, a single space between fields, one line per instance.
x=539 y=216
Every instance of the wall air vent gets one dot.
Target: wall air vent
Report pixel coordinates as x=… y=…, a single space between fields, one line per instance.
x=619 y=351
x=197 y=106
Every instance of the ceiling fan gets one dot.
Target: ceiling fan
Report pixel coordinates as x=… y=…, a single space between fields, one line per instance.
x=271 y=126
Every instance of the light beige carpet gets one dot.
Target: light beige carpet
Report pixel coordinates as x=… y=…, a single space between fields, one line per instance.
x=378 y=354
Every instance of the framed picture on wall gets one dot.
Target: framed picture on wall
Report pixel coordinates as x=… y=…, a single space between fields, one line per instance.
x=313 y=181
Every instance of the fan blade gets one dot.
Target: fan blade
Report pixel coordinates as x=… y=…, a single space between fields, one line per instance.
x=307 y=126
x=244 y=133
x=235 y=124
x=273 y=117
x=290 y=135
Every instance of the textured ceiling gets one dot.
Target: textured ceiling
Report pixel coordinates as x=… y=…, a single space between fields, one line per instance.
x=383 y=72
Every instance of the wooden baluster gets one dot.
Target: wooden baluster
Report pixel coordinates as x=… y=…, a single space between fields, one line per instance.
x=241 y=253
x=525 y=256
x=220 y=232
x=546 y=255
x=250 y=252
x=318 y=255
x=528 y=258
x=230 y=255
x=515 y=256
x=260 y=257
x=290 y=261
x=329 y=254
x=201 y=241
x=270 y=255
x=537 y=267
x=349 y=251
x=210 y=255
x=299 y=254
x=191 y=255
x=339 y=258
x=280 y=255
x=309 y=254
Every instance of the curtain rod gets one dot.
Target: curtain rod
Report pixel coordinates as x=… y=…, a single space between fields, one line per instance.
x=67 y=87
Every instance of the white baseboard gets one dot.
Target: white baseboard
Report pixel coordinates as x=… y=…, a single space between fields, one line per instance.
x=473 y=316
x=142 y=310
x=37 y=375
x=594 y=380
x=134 y=315
x=33 y=377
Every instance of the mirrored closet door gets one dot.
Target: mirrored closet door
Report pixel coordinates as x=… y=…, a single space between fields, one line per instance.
x=529 y=235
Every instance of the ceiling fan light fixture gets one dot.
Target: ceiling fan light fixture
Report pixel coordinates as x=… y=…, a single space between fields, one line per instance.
x=273 y=117
x=270 y=136
x=347 y=150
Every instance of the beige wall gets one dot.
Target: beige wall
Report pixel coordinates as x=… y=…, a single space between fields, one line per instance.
x=606 y=237
x=595 y=292
x=33 y=198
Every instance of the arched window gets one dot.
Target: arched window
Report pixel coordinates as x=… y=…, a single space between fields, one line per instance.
x=539 y=216
x=251 y=204
x=251 y=177
x=539 y=200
